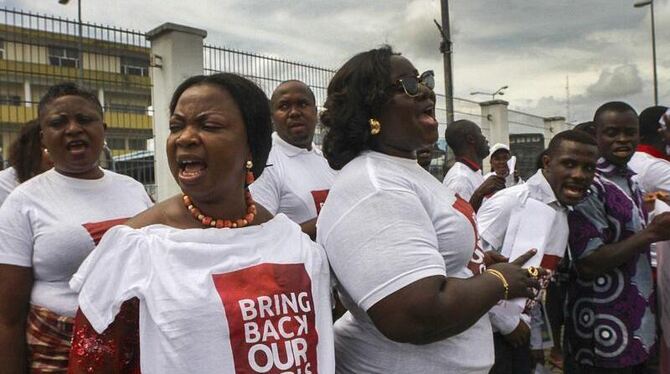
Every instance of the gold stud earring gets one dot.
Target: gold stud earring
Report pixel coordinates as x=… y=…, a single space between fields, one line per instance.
x=375 y=126
x=249 y=177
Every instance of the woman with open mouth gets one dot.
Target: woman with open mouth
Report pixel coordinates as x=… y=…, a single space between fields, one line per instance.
x=402 y=246
x=222 y=285
x=49 y=224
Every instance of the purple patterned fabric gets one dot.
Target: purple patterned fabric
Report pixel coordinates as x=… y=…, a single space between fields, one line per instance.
x=610 y=320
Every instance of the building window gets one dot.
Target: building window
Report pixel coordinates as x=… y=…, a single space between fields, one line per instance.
x=2 y=49
x=137 y=144
x=134 y=66
x=14 y=100
x=116 y=143
x=66 y=57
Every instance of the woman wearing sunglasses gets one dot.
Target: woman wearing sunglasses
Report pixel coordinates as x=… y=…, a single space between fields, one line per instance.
x=402 y=247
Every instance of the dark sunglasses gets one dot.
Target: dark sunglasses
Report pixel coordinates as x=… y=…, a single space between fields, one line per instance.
x=411 y=85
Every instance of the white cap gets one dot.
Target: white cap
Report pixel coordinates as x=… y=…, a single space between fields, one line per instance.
x=498 y=146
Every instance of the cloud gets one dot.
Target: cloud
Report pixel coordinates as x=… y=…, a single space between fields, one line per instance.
x=602 y=45
x=416 y=34
x=620 y=81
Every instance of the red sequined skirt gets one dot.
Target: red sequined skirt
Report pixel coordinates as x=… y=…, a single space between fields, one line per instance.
x=116 y=350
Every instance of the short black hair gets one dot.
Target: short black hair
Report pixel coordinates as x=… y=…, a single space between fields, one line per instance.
x=576 y=136
x=309 y=90
x=253 y=105
x=456 y=134
x=612 y=106
x=588 y=127
x=539 y=161
x=649 y=124
x=25 y=152
x=356 y=94
x=67 y=89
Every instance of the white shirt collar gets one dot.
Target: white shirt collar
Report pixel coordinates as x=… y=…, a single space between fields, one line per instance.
x=289 y=149
x=539 y=188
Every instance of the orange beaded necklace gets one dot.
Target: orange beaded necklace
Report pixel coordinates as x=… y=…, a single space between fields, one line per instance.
x=227 y=223
x=223 y=223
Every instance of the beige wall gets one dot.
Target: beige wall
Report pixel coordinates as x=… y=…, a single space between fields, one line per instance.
x=94 y=61
x=40 y=55
x=26 y=52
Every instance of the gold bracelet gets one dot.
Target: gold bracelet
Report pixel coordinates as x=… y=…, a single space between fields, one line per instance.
x=500 y=276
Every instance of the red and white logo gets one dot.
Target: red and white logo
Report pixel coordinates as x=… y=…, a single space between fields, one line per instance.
x=319 y=199
x=98 y=229
x=476 y=264
x=271 y=318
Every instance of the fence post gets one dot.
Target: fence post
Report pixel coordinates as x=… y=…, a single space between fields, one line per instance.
x=176 y=54
x=552 y=126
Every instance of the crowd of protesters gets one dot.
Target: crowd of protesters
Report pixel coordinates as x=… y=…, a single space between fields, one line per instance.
x=282 y=257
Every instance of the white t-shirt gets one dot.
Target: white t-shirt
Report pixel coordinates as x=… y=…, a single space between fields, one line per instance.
x=493 y=221
x=295 y=182
x=216 y=301
x=8 y=182
x=653 y=173
x=52 y=222
x=388 y=223
x=462 y=180
x=509 y=180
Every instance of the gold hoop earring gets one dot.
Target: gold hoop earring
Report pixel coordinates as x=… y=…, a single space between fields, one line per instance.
x=375 y=126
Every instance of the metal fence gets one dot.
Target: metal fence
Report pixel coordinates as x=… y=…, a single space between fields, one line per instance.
x=268 y=72
x=37 y=51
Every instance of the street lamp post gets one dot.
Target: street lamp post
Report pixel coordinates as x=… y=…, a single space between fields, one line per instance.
x=81 y=39
x=498 y=92
x=641 y=4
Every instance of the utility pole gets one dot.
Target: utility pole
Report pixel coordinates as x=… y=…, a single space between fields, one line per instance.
x=568 y=114
x=445 y=49
x=81 y=44
x=641 y=4
x=80 y=40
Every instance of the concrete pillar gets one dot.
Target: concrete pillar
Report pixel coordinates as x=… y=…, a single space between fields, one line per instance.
x=495 y=125
x=27 y=94
x=176 y=51
x=552 y=126
x=494 y=121
x=7 y=139
x=101 y=98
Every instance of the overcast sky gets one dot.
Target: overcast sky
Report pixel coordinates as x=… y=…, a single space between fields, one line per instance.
x=603 y=46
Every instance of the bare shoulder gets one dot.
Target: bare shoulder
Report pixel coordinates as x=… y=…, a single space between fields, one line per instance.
x=160 y=213
x=262 y=215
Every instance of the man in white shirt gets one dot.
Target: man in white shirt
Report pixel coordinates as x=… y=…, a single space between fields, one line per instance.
x=568 y=169
x=500 y=155
x=649 y=161
x=465 y=178
x=297 y=178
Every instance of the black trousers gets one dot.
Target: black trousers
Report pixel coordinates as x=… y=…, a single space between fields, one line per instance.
x=510 y=360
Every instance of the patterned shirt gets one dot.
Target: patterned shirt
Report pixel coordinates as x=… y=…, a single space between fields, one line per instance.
x=610 y=320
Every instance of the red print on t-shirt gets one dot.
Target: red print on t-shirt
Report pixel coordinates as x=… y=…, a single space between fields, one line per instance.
x=98 y=229
x=476 y=264
x=271 y=318
x=319 y=199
